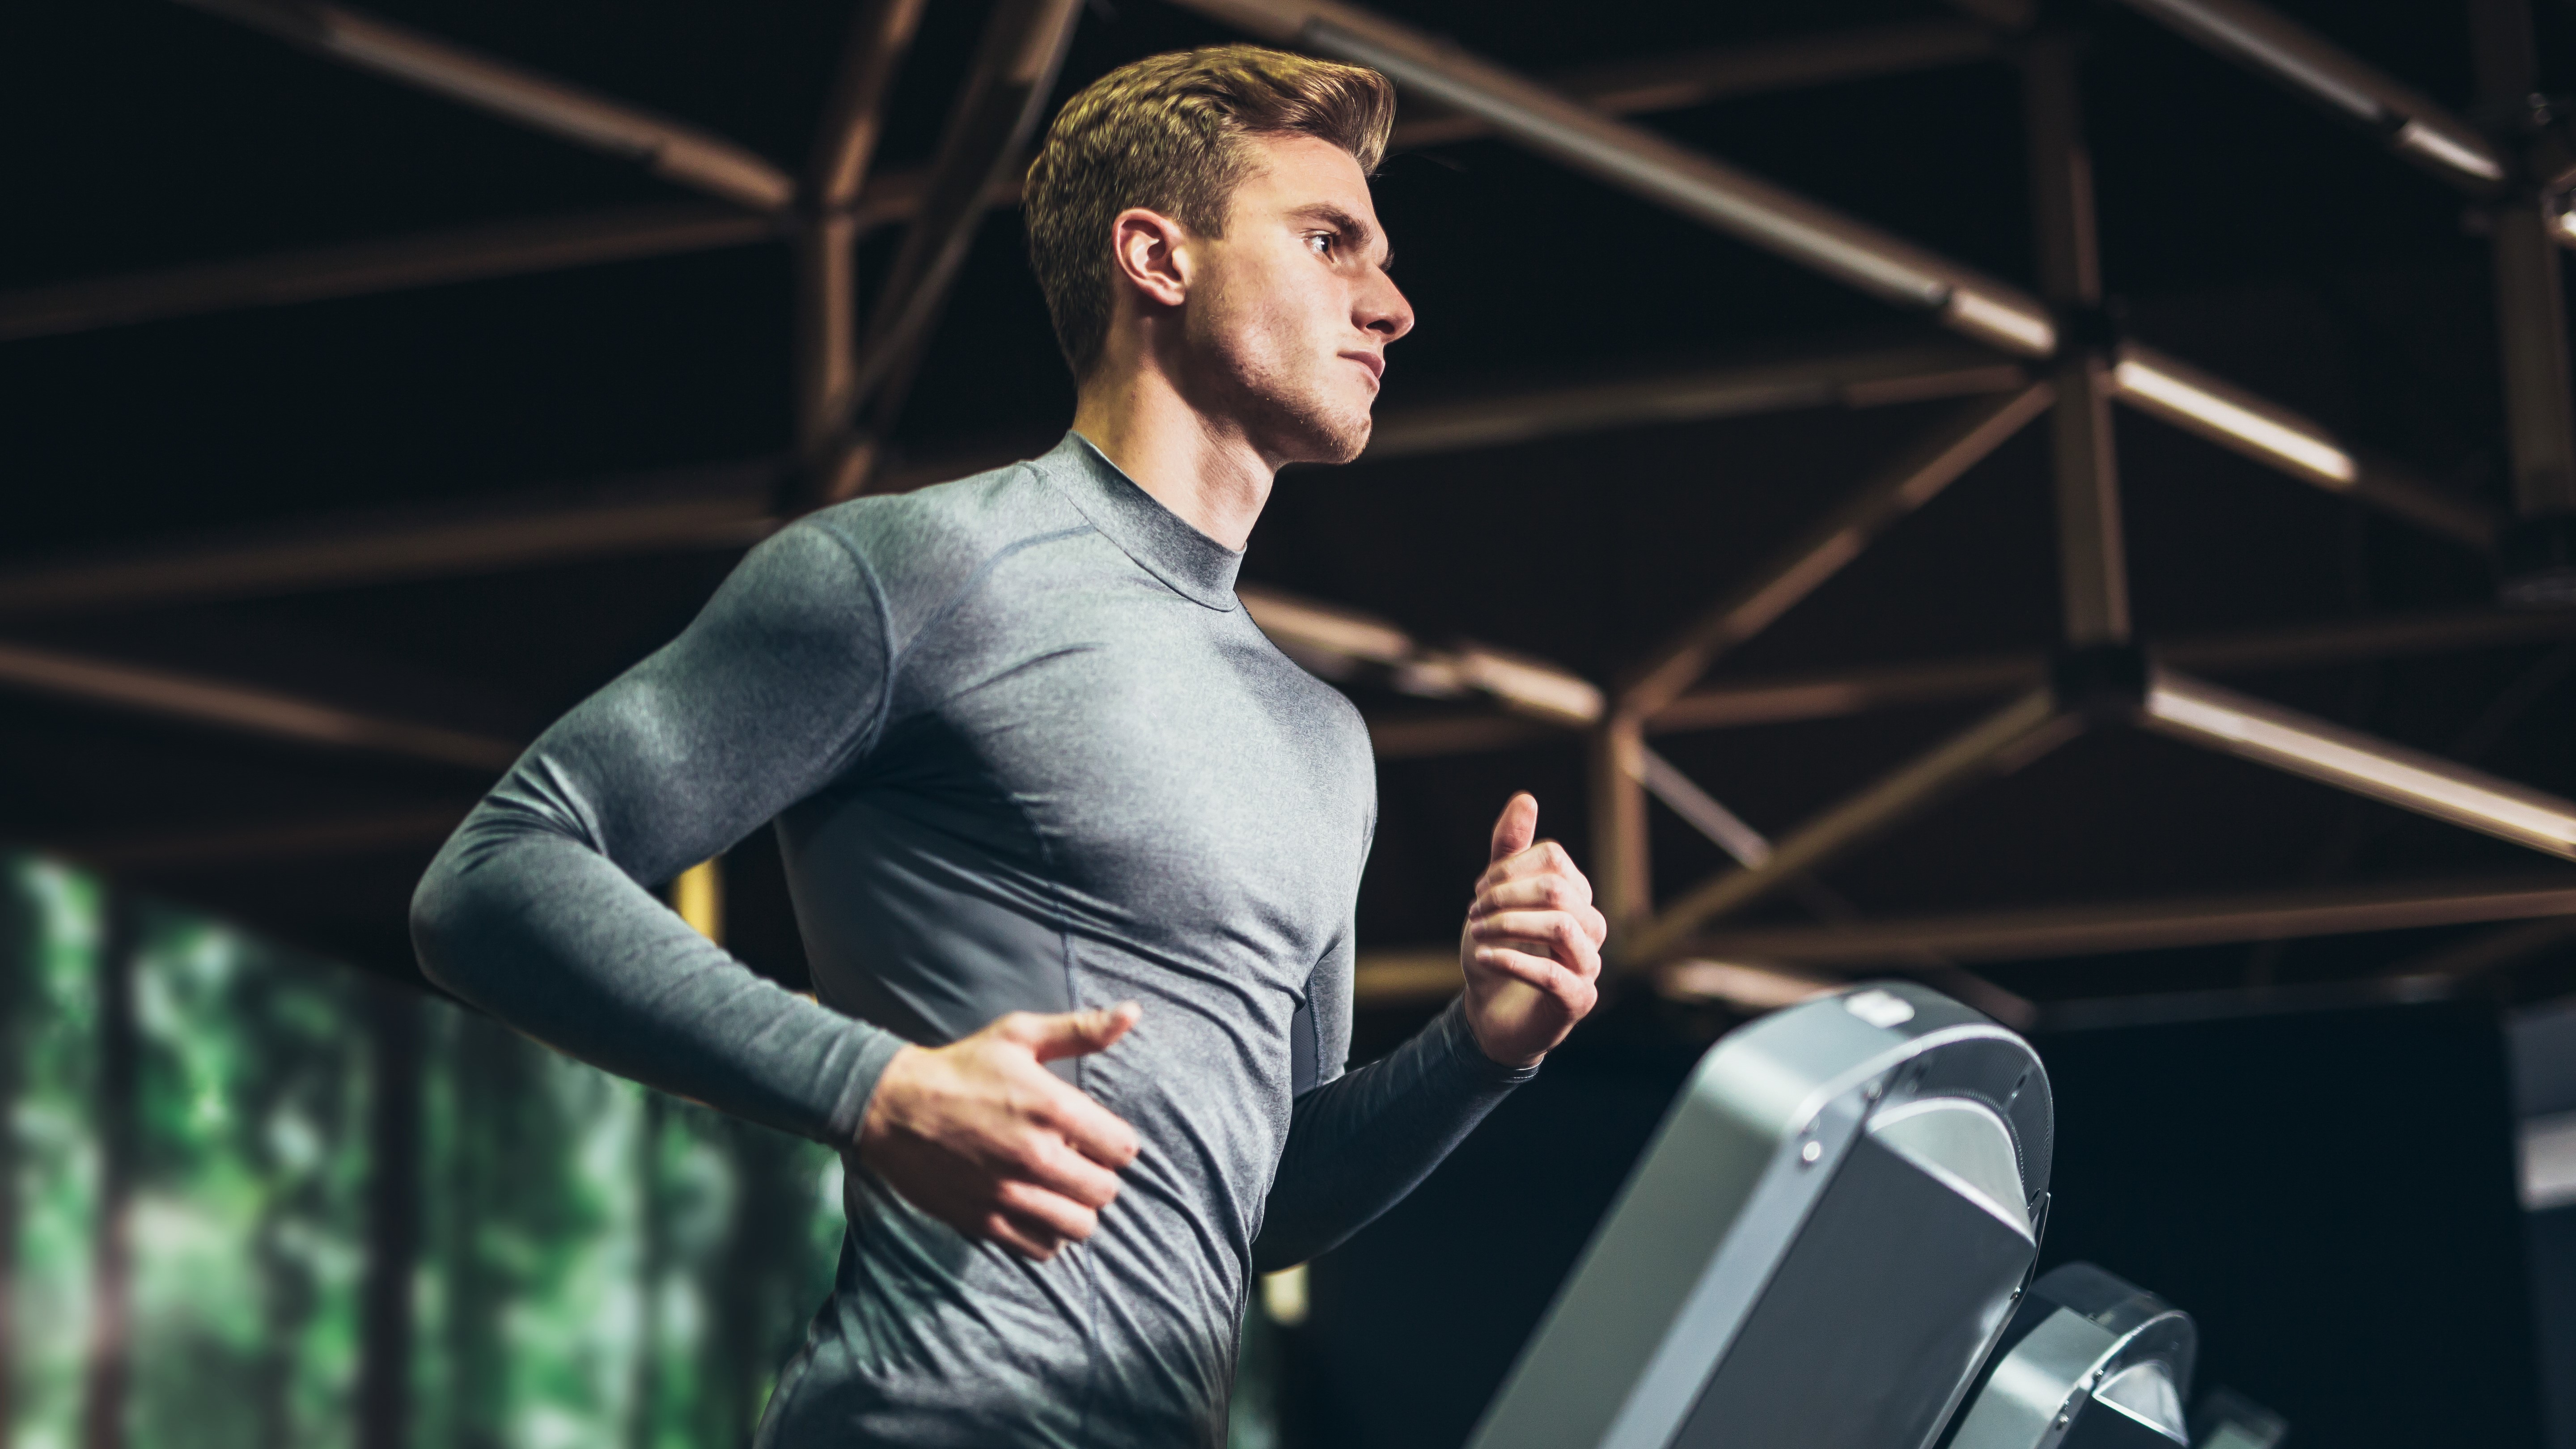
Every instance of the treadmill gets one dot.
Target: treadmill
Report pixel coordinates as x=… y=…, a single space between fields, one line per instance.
x=1829 y=1244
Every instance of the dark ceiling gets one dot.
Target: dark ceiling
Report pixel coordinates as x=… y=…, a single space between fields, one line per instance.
x=2241 y=229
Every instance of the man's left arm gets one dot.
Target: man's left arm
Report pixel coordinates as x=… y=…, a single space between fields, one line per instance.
x=1531 y=955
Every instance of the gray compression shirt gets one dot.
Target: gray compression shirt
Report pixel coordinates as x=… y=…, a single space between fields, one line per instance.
x=1025 y=751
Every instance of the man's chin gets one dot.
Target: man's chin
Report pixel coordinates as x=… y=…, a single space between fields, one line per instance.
x=1302 y=430
x=1335 y=439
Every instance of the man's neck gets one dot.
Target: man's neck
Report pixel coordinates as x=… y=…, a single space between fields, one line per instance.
x=1199 y=467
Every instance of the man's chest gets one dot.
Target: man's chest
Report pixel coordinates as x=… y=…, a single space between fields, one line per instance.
x=1160 y=759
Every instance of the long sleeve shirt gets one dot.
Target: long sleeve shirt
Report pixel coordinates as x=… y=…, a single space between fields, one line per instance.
x=1024 y=751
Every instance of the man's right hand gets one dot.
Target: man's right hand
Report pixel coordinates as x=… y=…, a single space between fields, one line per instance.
x=980 y=1136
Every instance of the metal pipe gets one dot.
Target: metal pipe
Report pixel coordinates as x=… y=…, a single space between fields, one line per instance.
x=1788 y=699
x=730 y=506
x=1914 y=479
x=998 y=109
x=245 y=708
x=1622 y=849
x=2082 y=930
x=2206 y=714
x=1744 y=206
x=1869 y=377
x=1695 y=78
x=2528 y=227
x=720 y=507
x=2092 y=558
x=2531 y=326
x=1752 y=850
x=670 y=149
x=880 y=32
x=465 y=254
x=826 y=354
x=1333 y=641
x=2003 y=742
x=1682 y=795
x=1641 y=161
x=2167 y=388
x=2272 y=45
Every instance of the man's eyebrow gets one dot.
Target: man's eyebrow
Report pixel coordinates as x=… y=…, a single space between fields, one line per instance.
x=1359 y=233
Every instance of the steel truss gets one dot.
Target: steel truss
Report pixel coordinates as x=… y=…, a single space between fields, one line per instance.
x=2102 y=676
x=2055 y=353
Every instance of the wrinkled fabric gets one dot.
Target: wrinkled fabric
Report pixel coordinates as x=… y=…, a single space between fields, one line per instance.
x=1024 y=751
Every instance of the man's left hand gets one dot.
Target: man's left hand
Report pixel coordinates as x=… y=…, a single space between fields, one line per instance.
x=1532 y=946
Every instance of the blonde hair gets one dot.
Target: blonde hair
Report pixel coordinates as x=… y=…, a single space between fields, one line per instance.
x=1168 y=133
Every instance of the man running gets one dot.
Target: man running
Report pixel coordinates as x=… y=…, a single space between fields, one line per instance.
x=1074 y=849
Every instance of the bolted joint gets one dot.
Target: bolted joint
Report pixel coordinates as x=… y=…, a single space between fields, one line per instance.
x=2099 y=682
x=2094 y=330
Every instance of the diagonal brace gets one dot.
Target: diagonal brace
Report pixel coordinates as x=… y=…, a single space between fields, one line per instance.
x=2003 y=742
x=670 y=149
x=1913 y=480
x=2205 y=714
x=997 y=111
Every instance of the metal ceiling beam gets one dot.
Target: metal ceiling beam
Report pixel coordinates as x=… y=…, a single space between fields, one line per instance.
x=673 y=150
x=2170 y=389
x=1913 y=479
x=520 y=248
x=1620 y=767
x=826 y=242
x=1871 y=377
x=2092 y=552
x=2274 y=46
x=1999 y=744
x=2084 y=930
x=1645 y=162
x=1696 y=78
x=429 y=259
x=245 y=709
x=463 y=254
x=2527 y=226
x=998 y=111
x=1722 y=197
x=721 y=507
x=2198 y=712
x=729 y=506
x=1339 y=642
x=1832 y=695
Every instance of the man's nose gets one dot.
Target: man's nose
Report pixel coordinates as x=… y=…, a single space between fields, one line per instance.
x=1383 y=310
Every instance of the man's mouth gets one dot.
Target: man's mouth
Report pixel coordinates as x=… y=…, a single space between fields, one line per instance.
x=1375 y=364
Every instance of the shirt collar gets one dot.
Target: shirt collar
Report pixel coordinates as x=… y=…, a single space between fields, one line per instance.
x=1161 y=542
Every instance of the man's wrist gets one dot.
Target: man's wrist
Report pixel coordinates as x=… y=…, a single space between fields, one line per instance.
x=1469 y=1039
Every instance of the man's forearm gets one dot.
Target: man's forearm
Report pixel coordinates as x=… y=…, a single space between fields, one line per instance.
x=553 y=938
x=1359 y=1143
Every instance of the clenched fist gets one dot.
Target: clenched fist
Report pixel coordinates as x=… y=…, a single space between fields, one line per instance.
x=1531 y=949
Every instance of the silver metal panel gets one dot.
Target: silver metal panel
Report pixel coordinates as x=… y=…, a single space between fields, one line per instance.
x=2090 y=1362
x=1816 y=1249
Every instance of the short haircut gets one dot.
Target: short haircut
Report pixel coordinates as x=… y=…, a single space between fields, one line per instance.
x=1168 y=133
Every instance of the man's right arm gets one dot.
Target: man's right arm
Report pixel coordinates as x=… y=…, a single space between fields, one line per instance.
x=537 y=908
x=537 y=911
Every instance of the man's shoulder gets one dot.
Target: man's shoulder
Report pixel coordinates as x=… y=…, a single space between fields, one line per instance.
x=930 y=539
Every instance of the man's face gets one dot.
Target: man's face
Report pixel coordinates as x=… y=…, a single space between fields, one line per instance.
x=1291 y=310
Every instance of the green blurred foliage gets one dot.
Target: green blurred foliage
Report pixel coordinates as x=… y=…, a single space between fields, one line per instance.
x=248 y=1219
x=601 y=1265
x=52 y=1033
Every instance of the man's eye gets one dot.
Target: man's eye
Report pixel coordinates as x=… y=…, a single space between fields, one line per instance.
x=1321 y=243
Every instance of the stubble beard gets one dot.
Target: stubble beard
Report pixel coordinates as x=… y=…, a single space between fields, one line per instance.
x=1288 y=411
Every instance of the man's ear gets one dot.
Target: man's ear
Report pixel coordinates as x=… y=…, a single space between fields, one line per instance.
x=1151 y=253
